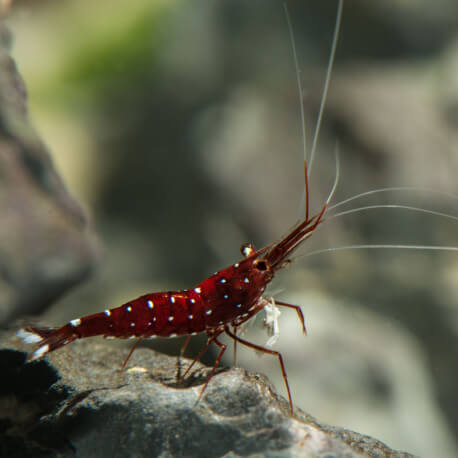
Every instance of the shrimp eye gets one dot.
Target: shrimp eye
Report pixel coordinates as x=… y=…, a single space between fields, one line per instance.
x=261 y=265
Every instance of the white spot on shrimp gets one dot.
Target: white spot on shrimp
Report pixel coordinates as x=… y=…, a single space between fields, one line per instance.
x=149 y=323
x=39 y=352
x=173 y=334
x=132 y=325
x=171 y=318
x=150 y=305
x=239 y=306
x=246 y=280
x=154 y=318
x=236 y=265
x=172 y=299
x=198 y=290
x=208 y=312
x=226 y=296
x=223 y=280
x=193 y=301
x=75 y=322
x=194 y=333
x=107 y=312
x=28 y=337
x=129 y=308
x=190 y=317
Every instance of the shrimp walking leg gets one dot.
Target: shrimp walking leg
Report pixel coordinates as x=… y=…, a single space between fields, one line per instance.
x=134 y=346
x=200 y=354
x=270 y=352
x=298 y=311
x=218 y=359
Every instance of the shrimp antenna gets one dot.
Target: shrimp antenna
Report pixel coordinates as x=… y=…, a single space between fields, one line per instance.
x=308 y=161
x=336 y=179
x=335 y=40
x=298 y=80
x=392 y=189
x=381 y=246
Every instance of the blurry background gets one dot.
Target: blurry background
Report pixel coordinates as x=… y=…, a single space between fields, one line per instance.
x=176 y=124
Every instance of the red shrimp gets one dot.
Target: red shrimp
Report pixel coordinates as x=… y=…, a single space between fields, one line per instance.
x=227 y=299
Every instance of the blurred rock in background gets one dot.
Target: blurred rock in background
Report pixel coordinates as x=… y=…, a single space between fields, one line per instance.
x=177 y=125
x=44 y=246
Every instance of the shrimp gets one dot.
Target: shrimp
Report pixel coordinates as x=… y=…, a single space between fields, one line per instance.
x=218 y=305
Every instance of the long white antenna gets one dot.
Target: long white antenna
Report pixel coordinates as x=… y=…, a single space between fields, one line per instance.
x=335 y=40
x=392 y=189
x=298 y=79
x=381 y=246
x=395 y=206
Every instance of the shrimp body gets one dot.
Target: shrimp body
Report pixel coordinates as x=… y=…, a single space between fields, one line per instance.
x=221 y=299
x=226 y=299
x=219 y=304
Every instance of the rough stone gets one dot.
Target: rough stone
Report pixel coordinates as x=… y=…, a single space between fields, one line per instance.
x=77 y=403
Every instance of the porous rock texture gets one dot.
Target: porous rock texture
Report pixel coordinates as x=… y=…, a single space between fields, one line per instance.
x=76 y=402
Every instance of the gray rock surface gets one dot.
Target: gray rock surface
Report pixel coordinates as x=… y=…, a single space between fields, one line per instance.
x=77 y=403
x=44 y=247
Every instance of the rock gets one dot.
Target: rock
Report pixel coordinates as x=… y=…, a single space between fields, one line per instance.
x=44 y=245
x=76 y=402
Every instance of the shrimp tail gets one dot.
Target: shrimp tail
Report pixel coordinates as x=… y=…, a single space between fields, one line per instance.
x=46 y=339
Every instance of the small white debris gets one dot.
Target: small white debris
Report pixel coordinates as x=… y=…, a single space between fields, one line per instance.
x=75 y=322
x=154 y=318
x=193 y=301
x=208 y=312
x=236 y=265
x=239 y=306
x=197 y=290
x=226 y=296
x=129 y=308
x=28 y=337
x=246 y=280
x=171 y=318
x=172 y=299
x=39 y=352
x=136 y=370
x=107 y=313
x=132 y=325
x=271 y=322
x=173 y=334
x=223 y=280
x=190 y=317
x=150 y=305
